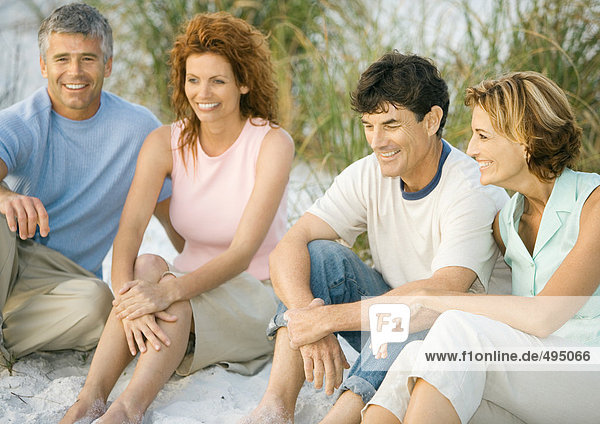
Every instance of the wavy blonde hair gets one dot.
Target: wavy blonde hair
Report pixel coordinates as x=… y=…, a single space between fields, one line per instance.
x=530 y=109
x=246 y=50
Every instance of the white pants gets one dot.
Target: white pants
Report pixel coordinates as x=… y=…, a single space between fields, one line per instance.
x=488 y=392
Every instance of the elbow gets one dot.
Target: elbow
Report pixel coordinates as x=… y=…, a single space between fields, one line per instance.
x=550 y=313
x=543 y=324
x=244 y=263
x=240 y=256
x=540 y=331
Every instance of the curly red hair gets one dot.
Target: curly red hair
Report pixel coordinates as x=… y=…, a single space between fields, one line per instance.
x=246 y=50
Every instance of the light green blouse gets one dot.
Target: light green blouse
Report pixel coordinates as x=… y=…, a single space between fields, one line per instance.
x=556 y=237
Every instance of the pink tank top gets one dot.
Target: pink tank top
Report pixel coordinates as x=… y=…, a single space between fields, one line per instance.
x=209 y=198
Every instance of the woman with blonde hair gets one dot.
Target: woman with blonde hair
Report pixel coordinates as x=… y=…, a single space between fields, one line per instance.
x=525 y=139
x=229 y=163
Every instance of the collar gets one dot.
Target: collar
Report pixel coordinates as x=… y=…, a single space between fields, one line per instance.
x=417 y=195
x=561 y=203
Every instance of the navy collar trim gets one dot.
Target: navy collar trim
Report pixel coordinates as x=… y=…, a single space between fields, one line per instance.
x=417 y=195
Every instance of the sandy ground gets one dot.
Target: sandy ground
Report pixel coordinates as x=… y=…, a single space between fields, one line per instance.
x=43 y=385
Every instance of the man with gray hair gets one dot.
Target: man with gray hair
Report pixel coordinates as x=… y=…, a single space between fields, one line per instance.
x=67 y=158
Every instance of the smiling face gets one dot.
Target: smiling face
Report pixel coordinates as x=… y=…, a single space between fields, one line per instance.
x=403 y=146
x=501 y=161
x=211 y=88
x=75 y=70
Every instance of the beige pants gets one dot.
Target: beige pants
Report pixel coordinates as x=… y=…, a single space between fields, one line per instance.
x=230 y=324
x=48 y=302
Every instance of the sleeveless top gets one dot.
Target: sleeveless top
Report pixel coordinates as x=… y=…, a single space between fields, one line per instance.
x=558 y=232
x=209 y=198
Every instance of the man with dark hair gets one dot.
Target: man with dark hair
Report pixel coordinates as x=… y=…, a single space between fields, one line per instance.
x=67 y=158
x=428 y=221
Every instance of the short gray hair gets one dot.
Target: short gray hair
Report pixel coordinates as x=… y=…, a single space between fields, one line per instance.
x=77 y=18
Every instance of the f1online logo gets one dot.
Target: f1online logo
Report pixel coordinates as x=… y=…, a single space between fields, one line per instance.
x=389 y=323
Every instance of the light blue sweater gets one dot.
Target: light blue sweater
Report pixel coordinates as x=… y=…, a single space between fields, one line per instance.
x=80 y=170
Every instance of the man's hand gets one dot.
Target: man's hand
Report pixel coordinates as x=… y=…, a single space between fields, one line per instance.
x=145 y=328
x=324 y=358
x=138 y=297
x=305 y=325
x=27 y=212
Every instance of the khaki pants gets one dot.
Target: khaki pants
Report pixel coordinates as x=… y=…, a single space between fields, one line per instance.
x=48 y=302
x=230 y=326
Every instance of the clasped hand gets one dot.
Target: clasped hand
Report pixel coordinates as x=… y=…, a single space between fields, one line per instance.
x=138 y=331
x=138 y=297
x=139 y=304
x=305 y=325
x=323 y=358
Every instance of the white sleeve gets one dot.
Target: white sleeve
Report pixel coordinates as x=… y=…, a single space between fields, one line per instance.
x=343 y=205
x=467 y=241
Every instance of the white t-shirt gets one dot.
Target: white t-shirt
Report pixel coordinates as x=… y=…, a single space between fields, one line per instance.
x=412 y=235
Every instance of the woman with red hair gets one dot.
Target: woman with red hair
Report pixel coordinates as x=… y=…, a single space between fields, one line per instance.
x=229 y=163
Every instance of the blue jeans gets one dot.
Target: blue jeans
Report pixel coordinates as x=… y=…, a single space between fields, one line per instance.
x=337 y=276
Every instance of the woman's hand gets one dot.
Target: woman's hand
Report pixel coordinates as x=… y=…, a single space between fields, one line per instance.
x=145 y=328
x=138 y=297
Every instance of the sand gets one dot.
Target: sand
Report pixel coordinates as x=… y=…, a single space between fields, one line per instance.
x=43 y=385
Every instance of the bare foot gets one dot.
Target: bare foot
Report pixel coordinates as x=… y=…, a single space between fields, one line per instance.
x=84 y=412
x=269 y=412
x=119 y=414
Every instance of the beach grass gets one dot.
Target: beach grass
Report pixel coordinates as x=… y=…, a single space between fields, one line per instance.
x=320 y=48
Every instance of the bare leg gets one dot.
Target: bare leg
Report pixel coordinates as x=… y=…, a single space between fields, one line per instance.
x=153 y=370
x=428 y=405
x=376 y=414
x=287 y=376
x=112 y=354
x=110 y=359
x=149 y=267
x=345 y=410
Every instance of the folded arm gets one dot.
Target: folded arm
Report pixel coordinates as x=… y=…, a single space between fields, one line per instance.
x=312 y=323
x=576 y=279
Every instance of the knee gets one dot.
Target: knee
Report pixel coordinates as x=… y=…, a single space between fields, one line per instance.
x=327 y=258
x=459 y=326
x=91 y=312
x=6 y=235
x=455 y=318
x=149 y=264
x=376 y=414
x=321 y=251
x=182 y=310
x=98 y=302
x=333 y=271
